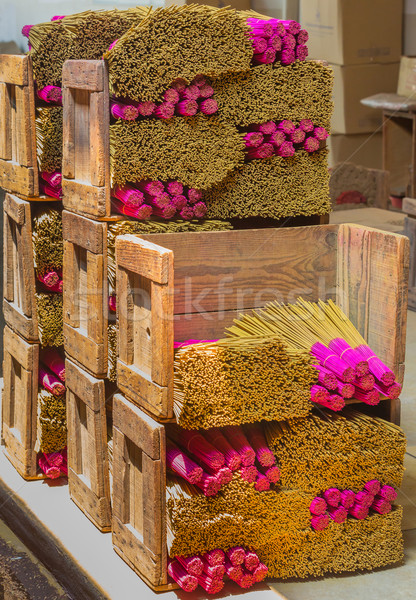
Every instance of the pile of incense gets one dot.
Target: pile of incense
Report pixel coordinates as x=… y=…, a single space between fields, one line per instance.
x=356 y=545
x=49 y=139
x=51 y=428
x=112 y=352
x=282 y=138
x=47 y=242
x=266 y=93
x=181 y=99
x=165 y=200
x=177 y=42
x=241 y=565
x=54 y=464
x=275 y=187
x=84 y=35
x=276 y=40
x=347 y=366
x=238 y=515
x=52 y=371
x=51 y=184
x=199 y=152
x=230 y=382
x=208 y=459
x=50 y=318
x=328 y=450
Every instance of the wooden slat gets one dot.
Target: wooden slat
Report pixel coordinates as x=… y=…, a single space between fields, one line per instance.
x=14 y=69
x=99 y=138
x=18 y=179
x=84 y=232
x=22 y=351
x=5 y=118
x=141 y=429
x=23 y=127
x=155 y=261
x=85 y=386
x=85 y=199
x=84 y=75
x=97 y=299
x=68 y=133
x=89 y=354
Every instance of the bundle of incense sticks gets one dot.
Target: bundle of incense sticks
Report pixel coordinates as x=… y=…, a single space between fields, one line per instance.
x=345 y=452
x=221 y=33
x=54 y=361
x=112 y=352
x=157 y=149
x=282 y=138
x=49 y=141
x=52 y=94
x=47 y=242
x=51 y=280
x=53 y=464
x=355 y=545
x=299 y=91
x=50 y=382
x=50 y=319
x=327 y=332
x=51 y=422
x=230 y=382
x=275 y=188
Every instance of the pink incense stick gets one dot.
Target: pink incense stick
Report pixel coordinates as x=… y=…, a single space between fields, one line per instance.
x=264 y=151
x=127 y=112
x=64 y=469
x=364 y=499
x=57 y=287
x=112 y=303
x=332 y=497
x=266 y=58
x=332 y=362
x=146 y=109
x=311 y=144
x=259 y=44
x=214 y=571
x=251 y=561
x=192 y=564
x=365 y=383
x=50 y=382
x=301 y=52
x=111 y=46
x=200 y=210
x=160 y=201
x=208 y=484
x=376 y=366
x=174 y=187
x=154 y=188
x=54 y=459
x=236 y=555
x=275 y=42
x=291 y=26
x=253 y=139
x=206 y=91
x=181 y=464
x=358 y=512
x=339 y=514
x=257 y=440
x=235 y=435
x=260 y=572
x=211 y=586
x=319 y=394
x=199 y=80
x=336 y=402
x=192 y=92
x=262 y=484
x=346 y=390
x=50 y=93
x=54 y=179
x=51 y=472
x=187 y=108
x=50 y=191
x=26 y=29
x=179 y=84
x=289 y=42
x=233 y=572
x=50 y=279
x=261 y=26
x=350 y=355
x=215 y=557
x=307 y=125
x=320 y=133
x=287 y=57
x=297 y=136
x=302 y=37
x=187 y=582
x=318 y=506
x=195 y=443
x=373 y=486
x=285 y=150
x=272 y=473
x=208 y=106
x=179 y=201
x=249 y=473
x=320 y=522
x=187 y=213
x=166 y=110
x=326 y=378
x=142 y=212
x=129 y=195
x=54 y=361
x=216 y=438
x=388 y=493
x=372 y=397
x=246 y=581
x=278 y=27
x=286 y=126
x=277 y=138
x=171 y=95
x=166 y=212
x=58 y=17
x=381 y=505
x=194 y=195
x=224 y=475
x=392 y=391
x=347 y=498
x=267 y=128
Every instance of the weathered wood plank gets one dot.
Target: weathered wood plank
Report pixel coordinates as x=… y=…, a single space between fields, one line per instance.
x=14 y=69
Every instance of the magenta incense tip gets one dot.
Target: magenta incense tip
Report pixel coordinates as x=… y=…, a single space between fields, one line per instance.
x=311 y=144
x=287 y=57
x=171 y=95
x=187 y=108
x=179 y=84
x=320 y=133
x=347 y=498
x=166 y=110
x=51 y=472
x=277 y=138
x=187 y=582
x=234 y=572
x=179 y=201
x=381 y=505
x=388 y=493
x=260 y=572
x=26 y=29
x=146 y=109
x=50 y=382
x=192 y=92
x=50 y=191
x=236 y=555
x=364 y=499
x=273 y=474
x=253 y=139
x=200 y=210
x=129 y=195
x=214 y=571
x=332 y=497
x=358 y=512
x=373 y=486
x=193 y=564
x=194 y=195
x=246 y=581
x=266 y=58
x=320 y=522
x=181 y=464
x=199 y=80
x=54 y=361
x=302 y=37
x=285 y=150
x=297 y=136
x=111 y=46
x=286 y=126
x=302 y=52
x=249 y=473
x=206 y=91
x=288 y=42
x=318 y=506
x=187 y=213
x=112 y=303
x=50 y=279
x=215 y=557
x=127 y=112
x=58 y=17
x=307 y=125
x=338 y=514
x=275 y=42
x=174 y=187
x=262 y=484
x=251 y=561
x=291 y=26
x=54 y=179
x=264 y=151
x=208 y=106
x=259 y=45
x=50 y=94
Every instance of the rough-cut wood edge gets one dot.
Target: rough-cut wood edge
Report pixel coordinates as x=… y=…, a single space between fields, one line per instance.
x=84 y=75
x=155 y=261
x=14 y=69
x=84 y=232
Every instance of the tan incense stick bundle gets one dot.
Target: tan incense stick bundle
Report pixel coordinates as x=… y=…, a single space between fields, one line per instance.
x=269 y=93
x=197 y=151
x=51 y=46
x=230 y=382
x=47 y=240
x=178 y=42
x=49 y=138
x=275 y=187
x=50 y=319
x=112 y=352
x=51 y=429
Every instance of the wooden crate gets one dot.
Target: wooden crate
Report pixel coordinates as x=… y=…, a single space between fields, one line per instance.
x=85 y=299
x=139 y=489
x=19 y=414
x=192 y=286
x=88 y=471
x=18 y=164
x=19 y=303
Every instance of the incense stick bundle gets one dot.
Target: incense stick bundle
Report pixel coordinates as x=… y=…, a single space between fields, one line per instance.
x=181 y=464
x=50 y=319
x=49 y=138
x=51 y=94
x=318 y=506
x=50 y=382
x=236 y=555
x=196 y=444
x=51 y=422
x=50 y=471
x=217 y=439
x=119 y=110
x=235 y=435
x=257 y=441
x=112 y=352
x=192 y=564
x=347 y=498
x=187 y=582
x=54 y=179
x=47 y=241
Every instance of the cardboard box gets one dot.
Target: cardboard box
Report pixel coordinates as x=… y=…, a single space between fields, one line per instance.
x=407 y=77
x=363 y=149
x=353 y=83
x=350 y=32
x=409 y=28
x=237 y=4
x=278 y=9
